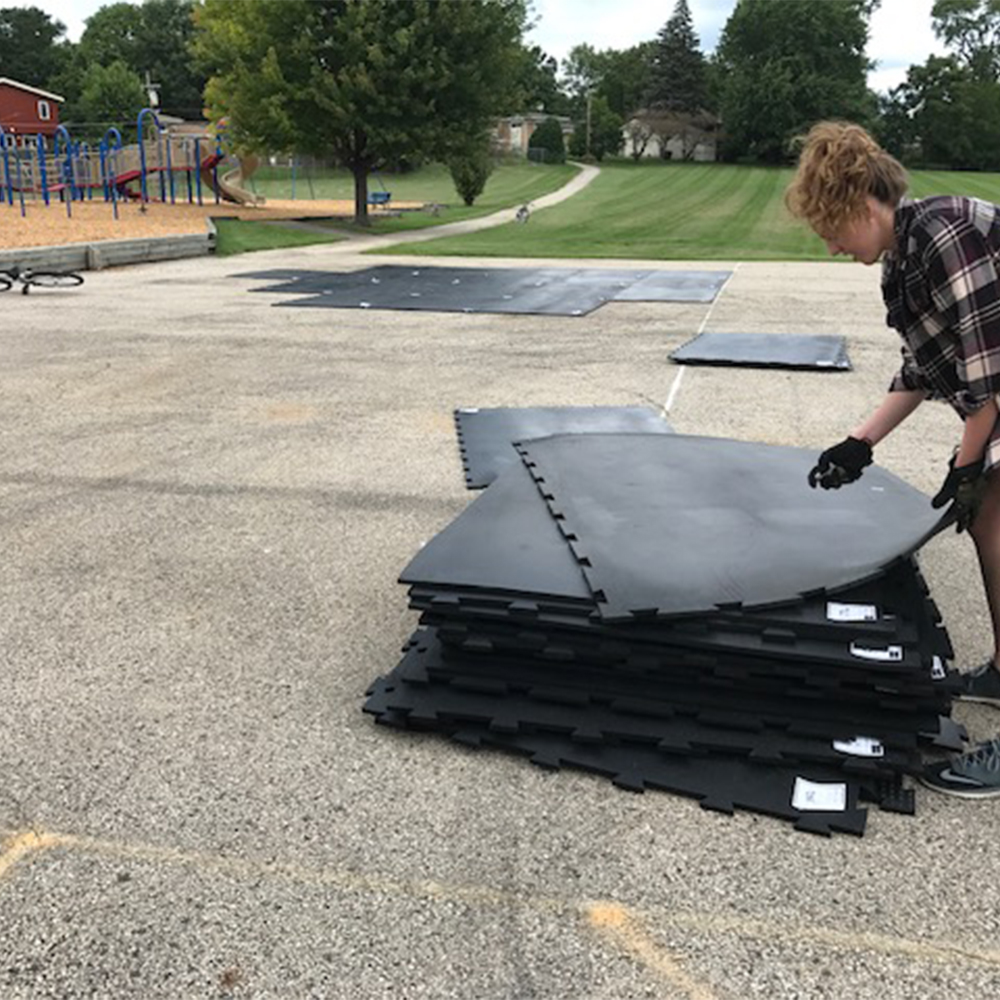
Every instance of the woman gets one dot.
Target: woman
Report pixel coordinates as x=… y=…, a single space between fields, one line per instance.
x=940 y=259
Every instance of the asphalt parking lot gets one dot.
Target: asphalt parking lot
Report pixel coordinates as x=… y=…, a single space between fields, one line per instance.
x=205 y=502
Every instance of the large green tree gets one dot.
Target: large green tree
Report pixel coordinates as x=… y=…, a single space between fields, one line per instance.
x=947 y=111
x=678 y=72
x=111 y=95
x=29 y=46
x=367 y=81
x=784 y=64
x=153 y=37
x=537 y=86
x=971 y=28
x=620 y=76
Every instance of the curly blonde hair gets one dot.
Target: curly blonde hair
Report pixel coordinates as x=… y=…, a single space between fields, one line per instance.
x=840 y=165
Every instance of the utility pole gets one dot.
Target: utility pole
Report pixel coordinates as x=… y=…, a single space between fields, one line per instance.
x=152 y=92
x=590 y=96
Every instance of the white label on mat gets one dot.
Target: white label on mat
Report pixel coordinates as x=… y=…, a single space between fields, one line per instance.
x=891 y=654
x=816 y=796
x=860 y=746
x=836 y=612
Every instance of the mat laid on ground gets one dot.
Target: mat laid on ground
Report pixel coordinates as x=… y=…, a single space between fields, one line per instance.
x=548 y=290
x=486 y=435
x=802 y=709
x=766 y=350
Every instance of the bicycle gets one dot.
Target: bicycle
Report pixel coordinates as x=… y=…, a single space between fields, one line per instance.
x=523 y=213
x=38 y=279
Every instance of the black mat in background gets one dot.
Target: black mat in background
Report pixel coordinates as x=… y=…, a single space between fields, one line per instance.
x=486 y=436
x=666 y=524
x=766 y=350
x=552 y=291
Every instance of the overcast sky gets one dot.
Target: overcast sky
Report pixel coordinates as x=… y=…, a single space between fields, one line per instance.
x=900 y=30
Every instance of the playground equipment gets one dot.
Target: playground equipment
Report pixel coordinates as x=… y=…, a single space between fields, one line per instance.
x=158 y=166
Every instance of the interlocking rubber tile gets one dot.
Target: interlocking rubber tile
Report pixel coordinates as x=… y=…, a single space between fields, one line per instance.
x=766 y=350
x=486 y=435
x=538 y=290
x=665 y=524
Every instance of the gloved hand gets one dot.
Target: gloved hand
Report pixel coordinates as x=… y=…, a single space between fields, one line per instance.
x=841 y=464
x=964 y=487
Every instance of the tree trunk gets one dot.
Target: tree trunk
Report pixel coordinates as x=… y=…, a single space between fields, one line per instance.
x=360 y=171
x=360 y=165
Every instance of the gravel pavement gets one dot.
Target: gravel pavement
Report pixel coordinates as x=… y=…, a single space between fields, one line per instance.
x=205 y=501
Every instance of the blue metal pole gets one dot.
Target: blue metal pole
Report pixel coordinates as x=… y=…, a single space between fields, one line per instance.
x=142 y=149
x=20 y=181
x=197 y=167
x=6 y=169
x=67 y=167
x=42 y=172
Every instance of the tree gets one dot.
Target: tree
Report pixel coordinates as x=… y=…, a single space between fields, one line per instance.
x=972 y=29
x=944 y=116
x=605 y=132
x=153 y=38
x=537 y=88
x=678 y=71
x=620 y=76
x=470 y=169
x=366 y=81
x=547 y=139
x=111 y=94
x=626 y=77
x=29 y=52
x=784 y=65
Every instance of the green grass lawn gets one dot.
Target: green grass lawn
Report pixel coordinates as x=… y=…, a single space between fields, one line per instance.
x=511 y=183
x=676 y=211
x=236 y=236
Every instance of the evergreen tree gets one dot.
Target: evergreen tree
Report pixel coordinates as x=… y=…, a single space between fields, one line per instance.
x=678 y=74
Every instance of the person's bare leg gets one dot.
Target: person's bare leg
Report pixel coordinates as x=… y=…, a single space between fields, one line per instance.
x=985 y=533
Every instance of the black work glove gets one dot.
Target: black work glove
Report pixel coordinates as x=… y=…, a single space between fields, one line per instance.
x=964 y=487
x=841 y=464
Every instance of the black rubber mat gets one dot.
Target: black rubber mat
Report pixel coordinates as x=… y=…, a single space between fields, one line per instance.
x=505 y=540
x=718 y=782
x=551 y=291
x=486 y=435
x=720 y=700
x=766 y=350
x=408 y=689
x=665 y=524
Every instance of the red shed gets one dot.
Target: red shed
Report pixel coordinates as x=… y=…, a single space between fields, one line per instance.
x=28 y=111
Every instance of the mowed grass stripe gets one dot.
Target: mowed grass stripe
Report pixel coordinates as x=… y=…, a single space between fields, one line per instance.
x=677 y=211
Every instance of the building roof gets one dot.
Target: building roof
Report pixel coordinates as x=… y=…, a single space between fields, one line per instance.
x=31 y=90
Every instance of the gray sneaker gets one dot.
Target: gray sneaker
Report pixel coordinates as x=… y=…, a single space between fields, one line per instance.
x=982 y=684
x=972 y=775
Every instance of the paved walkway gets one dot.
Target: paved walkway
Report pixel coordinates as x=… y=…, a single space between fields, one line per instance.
x=359 y=244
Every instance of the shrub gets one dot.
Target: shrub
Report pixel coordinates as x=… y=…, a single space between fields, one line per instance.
x=549 y=137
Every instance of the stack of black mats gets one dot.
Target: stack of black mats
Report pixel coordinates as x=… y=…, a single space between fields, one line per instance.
x=685 y=614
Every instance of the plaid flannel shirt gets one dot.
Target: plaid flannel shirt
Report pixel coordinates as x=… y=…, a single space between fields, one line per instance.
x=942 y=292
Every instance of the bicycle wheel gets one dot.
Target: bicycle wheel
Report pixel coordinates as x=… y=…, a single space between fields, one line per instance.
x=53 y=279
x=5 y=283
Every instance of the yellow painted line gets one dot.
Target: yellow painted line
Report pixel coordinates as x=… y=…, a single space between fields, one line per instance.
x=612 y=919
x=622 y=928
x=19 y=845
x=865 y=941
